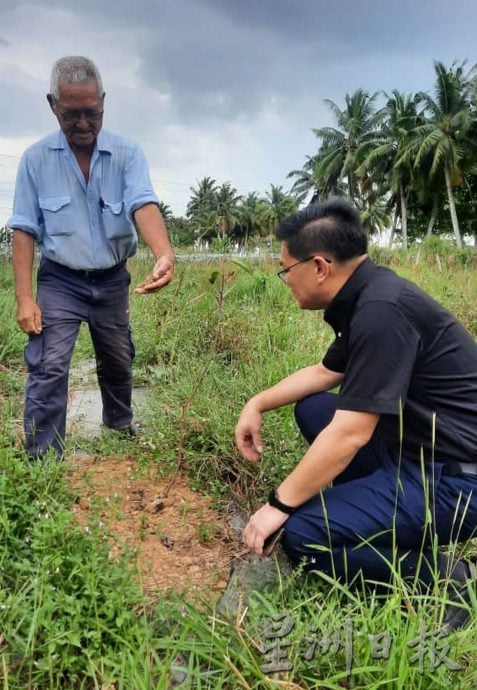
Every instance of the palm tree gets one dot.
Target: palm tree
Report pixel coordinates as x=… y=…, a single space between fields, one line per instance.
x=278 y=205
x=281 y=203
x=252 y=215
x=444 y=137
x=383 y=162
x=308 y=180
x=203 y=199
x=337 y=158
x=429 y=193
x=227 y=201
x=202 y=208
x=305 y=181
x=375 y=217
x=165 y=210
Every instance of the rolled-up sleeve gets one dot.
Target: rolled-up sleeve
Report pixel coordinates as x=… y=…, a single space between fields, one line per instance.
x=138 y=187
x=26 y=210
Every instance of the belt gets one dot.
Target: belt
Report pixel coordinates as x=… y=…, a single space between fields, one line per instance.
x=453 y=468
x=97 y=272
x=89 y=273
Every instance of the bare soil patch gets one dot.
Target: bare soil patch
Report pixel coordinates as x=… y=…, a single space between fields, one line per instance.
x=181 y=543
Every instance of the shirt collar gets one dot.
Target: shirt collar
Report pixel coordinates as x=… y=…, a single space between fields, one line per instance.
x=57 y=140
x=336 y=313
x=103 y=143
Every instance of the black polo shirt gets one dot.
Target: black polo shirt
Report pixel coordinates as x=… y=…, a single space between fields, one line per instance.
x=407 y=358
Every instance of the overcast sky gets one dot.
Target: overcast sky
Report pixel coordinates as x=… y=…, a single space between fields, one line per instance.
x=224 y=88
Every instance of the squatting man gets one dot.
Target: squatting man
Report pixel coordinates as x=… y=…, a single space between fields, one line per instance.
x=400 y=434
x=79 y=192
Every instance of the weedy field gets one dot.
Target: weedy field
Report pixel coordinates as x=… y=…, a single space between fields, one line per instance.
x=71 y=616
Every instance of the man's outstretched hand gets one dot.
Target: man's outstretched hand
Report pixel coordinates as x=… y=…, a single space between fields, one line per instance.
x=161 y=275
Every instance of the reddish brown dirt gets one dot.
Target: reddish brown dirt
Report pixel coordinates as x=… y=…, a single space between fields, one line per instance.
x=180 y=542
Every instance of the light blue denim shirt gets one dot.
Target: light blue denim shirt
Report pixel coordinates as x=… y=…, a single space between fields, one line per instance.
x=82 y=225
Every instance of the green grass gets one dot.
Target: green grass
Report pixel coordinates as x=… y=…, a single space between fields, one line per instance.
x=70 y=617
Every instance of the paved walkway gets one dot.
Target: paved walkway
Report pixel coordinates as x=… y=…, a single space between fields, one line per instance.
x=84 y=401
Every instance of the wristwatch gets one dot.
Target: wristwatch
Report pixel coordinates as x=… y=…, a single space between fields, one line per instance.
x=276 y=503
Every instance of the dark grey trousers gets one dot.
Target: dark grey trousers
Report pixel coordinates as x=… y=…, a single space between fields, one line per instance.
x=67 y=298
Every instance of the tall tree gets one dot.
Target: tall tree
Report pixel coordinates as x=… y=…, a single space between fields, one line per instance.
x=445 y=136
x=253 y=214
x=202 y=208
x=383 y=161
x=227 y=201
x=203 y=199
x=309 y=179
x=165 y=210
x=281 y=203
x=376 y=215
x=356 y=124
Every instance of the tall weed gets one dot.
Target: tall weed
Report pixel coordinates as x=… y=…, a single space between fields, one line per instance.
x=70 y=617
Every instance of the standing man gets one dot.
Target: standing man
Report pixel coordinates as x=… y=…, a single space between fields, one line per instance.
x=399 y=440
x=78 y=194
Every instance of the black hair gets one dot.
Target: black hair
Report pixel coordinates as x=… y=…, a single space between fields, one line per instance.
x=332 y=226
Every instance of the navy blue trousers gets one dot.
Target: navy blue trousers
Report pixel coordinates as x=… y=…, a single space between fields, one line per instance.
x=67 y=298
x=382 y=514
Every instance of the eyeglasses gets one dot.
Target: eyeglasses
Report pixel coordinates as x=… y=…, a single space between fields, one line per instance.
x=75 y=115
x=283 y=274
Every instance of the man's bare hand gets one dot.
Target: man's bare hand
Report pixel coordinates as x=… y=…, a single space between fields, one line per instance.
x=248 y=433
x=29 y=316
x=264 y=522
x=161 y=275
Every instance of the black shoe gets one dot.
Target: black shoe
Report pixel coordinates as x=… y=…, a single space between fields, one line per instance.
x=457 y=573
x=130 y=431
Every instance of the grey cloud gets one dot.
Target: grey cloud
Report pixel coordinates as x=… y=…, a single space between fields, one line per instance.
x=211 y=65
x=371 y=25
x=215 y=73
x=224 y=60
x=221 y=60
x=23 y=107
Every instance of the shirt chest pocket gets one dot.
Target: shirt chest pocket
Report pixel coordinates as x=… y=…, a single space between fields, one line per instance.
x=114 y=219
x=57 y=215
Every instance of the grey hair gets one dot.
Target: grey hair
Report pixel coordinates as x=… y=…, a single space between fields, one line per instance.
x=74 y=69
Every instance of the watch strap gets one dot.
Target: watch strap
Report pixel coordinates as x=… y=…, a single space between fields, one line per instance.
x=276 y=503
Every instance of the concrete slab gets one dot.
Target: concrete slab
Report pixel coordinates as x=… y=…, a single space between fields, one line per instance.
x=83 y=417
